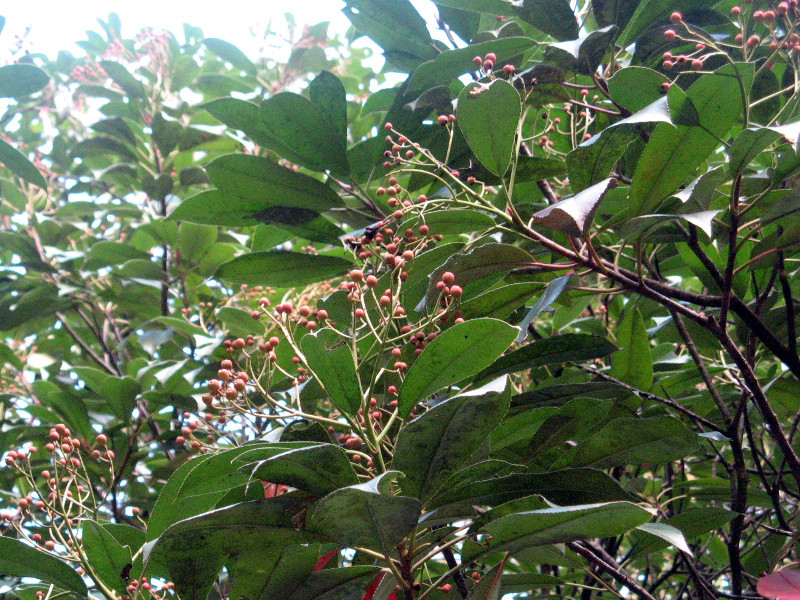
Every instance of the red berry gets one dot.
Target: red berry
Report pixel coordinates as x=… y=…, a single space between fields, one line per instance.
x=448 y=278
x=670 y=35
x=675 y=18
x=456 y=291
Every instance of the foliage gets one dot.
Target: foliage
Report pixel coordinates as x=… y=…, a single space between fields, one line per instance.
x=525 y=323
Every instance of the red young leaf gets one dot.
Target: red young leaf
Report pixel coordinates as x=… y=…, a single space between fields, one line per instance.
x=372 y=587
x=323 y=560
x=783 y=585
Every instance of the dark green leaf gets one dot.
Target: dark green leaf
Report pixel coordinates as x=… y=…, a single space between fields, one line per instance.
x=559 y=525
x=101 y=146
x=21 y=79
x=553 y=17
x=488 y=116
x=451 y=221
x=21 y=560
x=691 y=523
x=584 y=54
x=273 y=573
x=489 y=587
x=319 y=469
x=107 y=556
x=395 y=25
x=456 y=354
x=553 y=291
x=366 y=515
x=613 y=12
x=635 y=87
x=451 y=64
x=626 y=441
x=500 y=302
x=116 y=126
x=327 y=93
x=335 y=370
x=439 y=442
x=565 y=486
x=254 y=178
x=282 y=268
x=335 y=584
x=570 y=347
x=649 y=13
x=574 y=215
x=674 y=153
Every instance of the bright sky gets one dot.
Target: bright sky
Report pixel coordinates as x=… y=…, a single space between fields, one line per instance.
x=57 y=24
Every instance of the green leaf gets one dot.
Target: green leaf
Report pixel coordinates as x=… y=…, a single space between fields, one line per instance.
x=633 y=363
x=119 y=392
x=672 y=154
x=488 y=115
x=451 y=64
x=334 y=584
x=553 y=291
x=691 y=523
x=564 y=486
x=584 y=54
x=557 y=525
x=635 y=87
x=282 y=268
x=493 y=7
x=319 y=469
x=241 y=115
x=670 y=534
x=123 y=78
x=327 y=93
x=747 y=146
x=299 y=131
x=452 y=221
x=574 y=215
x=18 y=164
x=487 y=260
x=101 y=146
x=258 y=179
x=107 y=556
x=21 y=79
x=639 y=225
x=553 y=17
x=456 y=354
x=197 y=547
x=570 y=347
x=272 y=573
x=21 y=560
x=442 y=440
x=116 y=126
x=200 y=484
x=7 y=356
x=649 y=13
x=499 y=303
x=230 y=53
x=366 y=515
x=627 y=441
x=335 y=370
x=616 y=12
x=489 y=587
x=395 y=26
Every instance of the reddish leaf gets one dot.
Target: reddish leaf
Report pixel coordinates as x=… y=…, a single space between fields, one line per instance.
x=372 y=587
x=784 y=585
x=323 y=560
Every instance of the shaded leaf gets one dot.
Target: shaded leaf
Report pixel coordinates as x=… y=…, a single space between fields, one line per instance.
x=366 y=515
x=584 y=54
x=230 y=53
x=319 y=469
x=574 y=215
x=432 y=447
x=553 y=17
x=626 y=441
x=327 y=93
x=335 y=584
x=570 y=347
x=553 y=291
x=107 y=556
x=670 y=534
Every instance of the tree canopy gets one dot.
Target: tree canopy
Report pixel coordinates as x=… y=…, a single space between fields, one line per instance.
x=524 y=324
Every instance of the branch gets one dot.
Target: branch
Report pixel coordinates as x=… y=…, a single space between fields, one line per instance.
x=613 y=569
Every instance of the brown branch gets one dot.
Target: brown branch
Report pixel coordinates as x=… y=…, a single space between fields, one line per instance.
x=613 y=569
